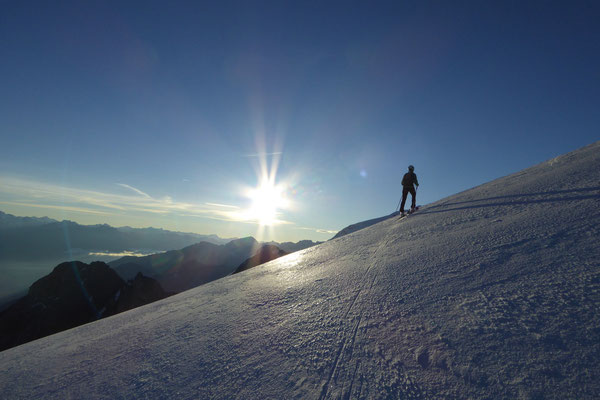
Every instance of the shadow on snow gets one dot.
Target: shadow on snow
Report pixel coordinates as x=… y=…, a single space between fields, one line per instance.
x=519 y=199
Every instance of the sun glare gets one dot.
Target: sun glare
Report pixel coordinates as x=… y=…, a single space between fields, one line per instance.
x=267 y=199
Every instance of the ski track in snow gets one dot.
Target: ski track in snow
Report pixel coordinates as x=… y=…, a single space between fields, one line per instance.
x=490 y=293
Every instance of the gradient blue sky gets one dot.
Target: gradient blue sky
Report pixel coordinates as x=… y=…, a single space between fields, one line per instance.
x=158 y=113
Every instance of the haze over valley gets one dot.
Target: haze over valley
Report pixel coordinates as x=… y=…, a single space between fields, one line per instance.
x=31 y=247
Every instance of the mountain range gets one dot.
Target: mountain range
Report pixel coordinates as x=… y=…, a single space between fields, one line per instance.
x=10 y=221
x=31 y=247
x=54 y=239
x=179 y=270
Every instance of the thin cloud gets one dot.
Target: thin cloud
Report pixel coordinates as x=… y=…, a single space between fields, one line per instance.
x=326 y=231
x=64 y=208
x=318 y=230
x=221 y=205
x=138 y=191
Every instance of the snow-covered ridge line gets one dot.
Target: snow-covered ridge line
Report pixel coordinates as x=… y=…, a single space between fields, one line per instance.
x=490 y=293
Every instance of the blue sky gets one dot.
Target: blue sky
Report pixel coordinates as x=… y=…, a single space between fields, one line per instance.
x=159 y=114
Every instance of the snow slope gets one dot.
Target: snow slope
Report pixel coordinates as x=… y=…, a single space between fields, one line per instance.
x=363 y=224
x=490 y=293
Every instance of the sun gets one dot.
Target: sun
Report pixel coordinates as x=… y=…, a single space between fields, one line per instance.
x=267 y=199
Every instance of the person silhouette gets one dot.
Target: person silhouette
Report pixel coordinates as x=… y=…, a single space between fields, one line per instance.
x=408 y=186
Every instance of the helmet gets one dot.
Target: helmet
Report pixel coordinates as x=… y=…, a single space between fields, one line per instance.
x=411 y=168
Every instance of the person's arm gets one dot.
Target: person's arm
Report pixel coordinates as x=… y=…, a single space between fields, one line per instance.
x=416 y=181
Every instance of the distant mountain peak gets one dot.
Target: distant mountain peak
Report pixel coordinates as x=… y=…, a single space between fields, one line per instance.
x=242 y=241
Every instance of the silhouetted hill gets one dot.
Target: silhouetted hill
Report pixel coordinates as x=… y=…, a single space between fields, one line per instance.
x=73 y=294
x=140 y=291
x=265 y=254
x=291 y=247
x=179 y=270
x=7 y=301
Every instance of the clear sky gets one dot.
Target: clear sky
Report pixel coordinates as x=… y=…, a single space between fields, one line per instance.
x=168 y=114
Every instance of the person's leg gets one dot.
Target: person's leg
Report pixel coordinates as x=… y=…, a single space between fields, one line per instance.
x=404 y=196
x=413 y=195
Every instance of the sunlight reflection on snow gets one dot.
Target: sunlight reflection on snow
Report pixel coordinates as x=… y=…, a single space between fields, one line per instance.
x=289 y=273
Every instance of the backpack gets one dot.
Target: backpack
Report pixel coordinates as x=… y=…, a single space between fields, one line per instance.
x=409 y=179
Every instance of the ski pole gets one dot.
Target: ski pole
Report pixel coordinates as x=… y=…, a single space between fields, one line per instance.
x=416 y=190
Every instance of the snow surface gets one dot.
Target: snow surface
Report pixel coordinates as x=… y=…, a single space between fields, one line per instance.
x=490 y=293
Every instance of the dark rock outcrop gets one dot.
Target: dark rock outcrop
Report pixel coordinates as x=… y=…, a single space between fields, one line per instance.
x=265 y=254
x=73 y=294
x=140 y=291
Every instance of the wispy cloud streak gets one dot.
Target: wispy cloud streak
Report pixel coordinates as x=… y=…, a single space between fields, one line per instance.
x=318 y=230
x=45 y=195
x=138 y=191
x=221 y=205
x=51 y=206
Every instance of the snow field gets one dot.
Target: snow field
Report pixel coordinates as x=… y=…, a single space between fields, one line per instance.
x=490 y=293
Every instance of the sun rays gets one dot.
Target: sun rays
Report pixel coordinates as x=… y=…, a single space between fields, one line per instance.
x=269 y=199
